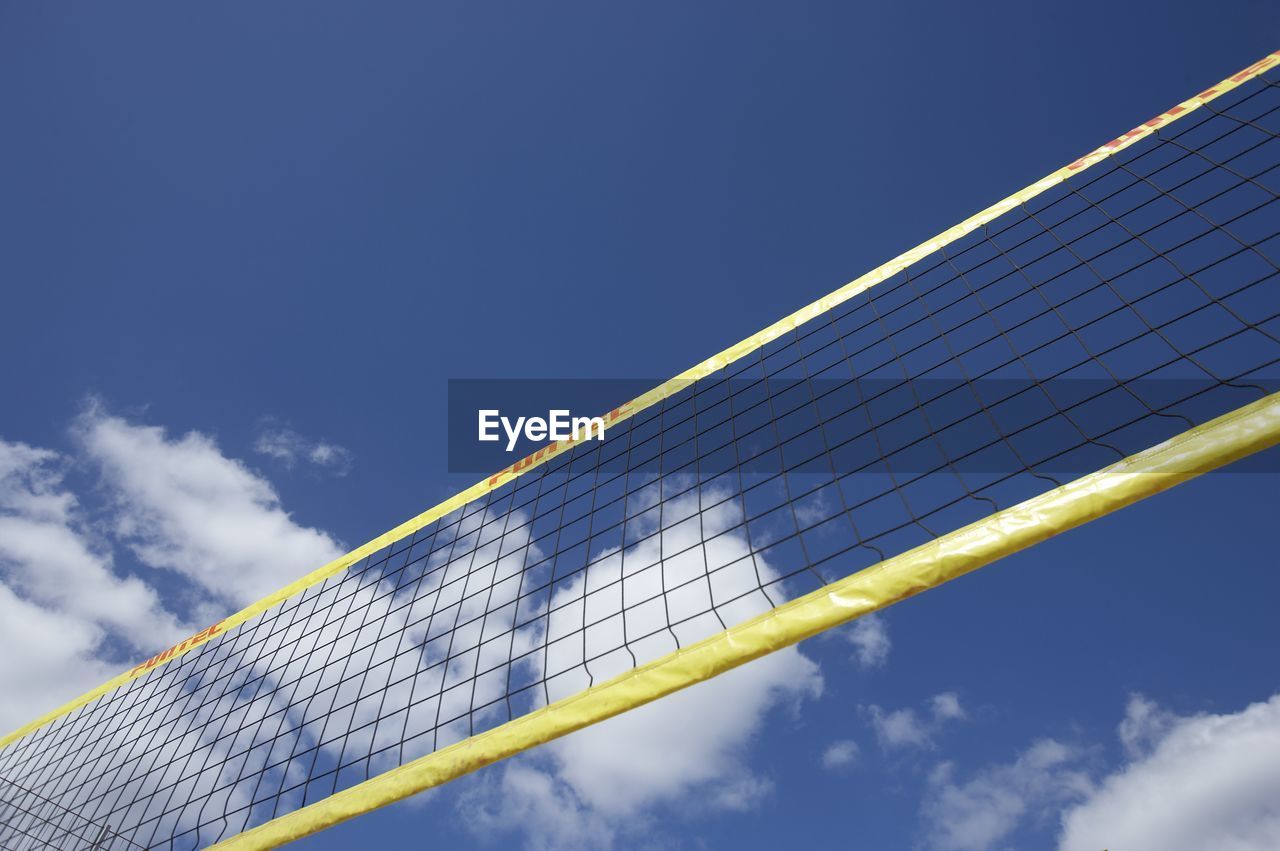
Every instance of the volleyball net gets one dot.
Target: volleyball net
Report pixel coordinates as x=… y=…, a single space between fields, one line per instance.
x=1098 y=337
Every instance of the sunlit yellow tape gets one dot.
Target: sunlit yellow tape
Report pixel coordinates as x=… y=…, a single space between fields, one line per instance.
x=1216 y=443
x=668 y=388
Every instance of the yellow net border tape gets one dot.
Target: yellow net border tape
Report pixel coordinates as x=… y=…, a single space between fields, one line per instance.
x=668 y=388
x=1223 y=440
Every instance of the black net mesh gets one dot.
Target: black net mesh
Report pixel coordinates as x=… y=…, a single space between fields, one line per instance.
x=34 y=821
x=1127 y=304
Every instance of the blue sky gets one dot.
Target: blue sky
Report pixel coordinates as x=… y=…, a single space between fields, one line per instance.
x=284 y=227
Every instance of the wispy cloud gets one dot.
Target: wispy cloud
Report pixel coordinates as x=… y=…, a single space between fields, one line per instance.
x=1145 y=724
x=869 y=636
x=911 y=728
x=946 y=707
x=291 y=448
x=982 y=811
x=841 y=753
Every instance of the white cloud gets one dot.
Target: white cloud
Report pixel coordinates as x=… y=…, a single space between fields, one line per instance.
x=57 y=660
x=1189 y=783
x=156 y=485
x=289 y=447
x=946 y=707
x=182 y=505
x=1207 y=781
x=869 y=636
x=899 y=728
x=548 y=811
x=694 y=738
x=46 y=553
x=593 y=785
x=1144 y=725
x=60 y=598
x=981 y=812
x=813 y=509
x=907 y=728
x=841 y=753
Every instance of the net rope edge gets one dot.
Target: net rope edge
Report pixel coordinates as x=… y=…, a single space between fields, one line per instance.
x=668 y=388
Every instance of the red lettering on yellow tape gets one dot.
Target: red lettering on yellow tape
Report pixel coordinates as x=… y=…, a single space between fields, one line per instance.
x=199 y=638
x=1167 y=116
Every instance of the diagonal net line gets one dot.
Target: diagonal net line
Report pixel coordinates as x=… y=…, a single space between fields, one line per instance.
x=40 y=822
x=1113 y=311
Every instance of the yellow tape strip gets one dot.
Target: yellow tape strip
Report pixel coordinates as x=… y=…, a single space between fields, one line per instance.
x=1204 y=448
x=707 y=367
